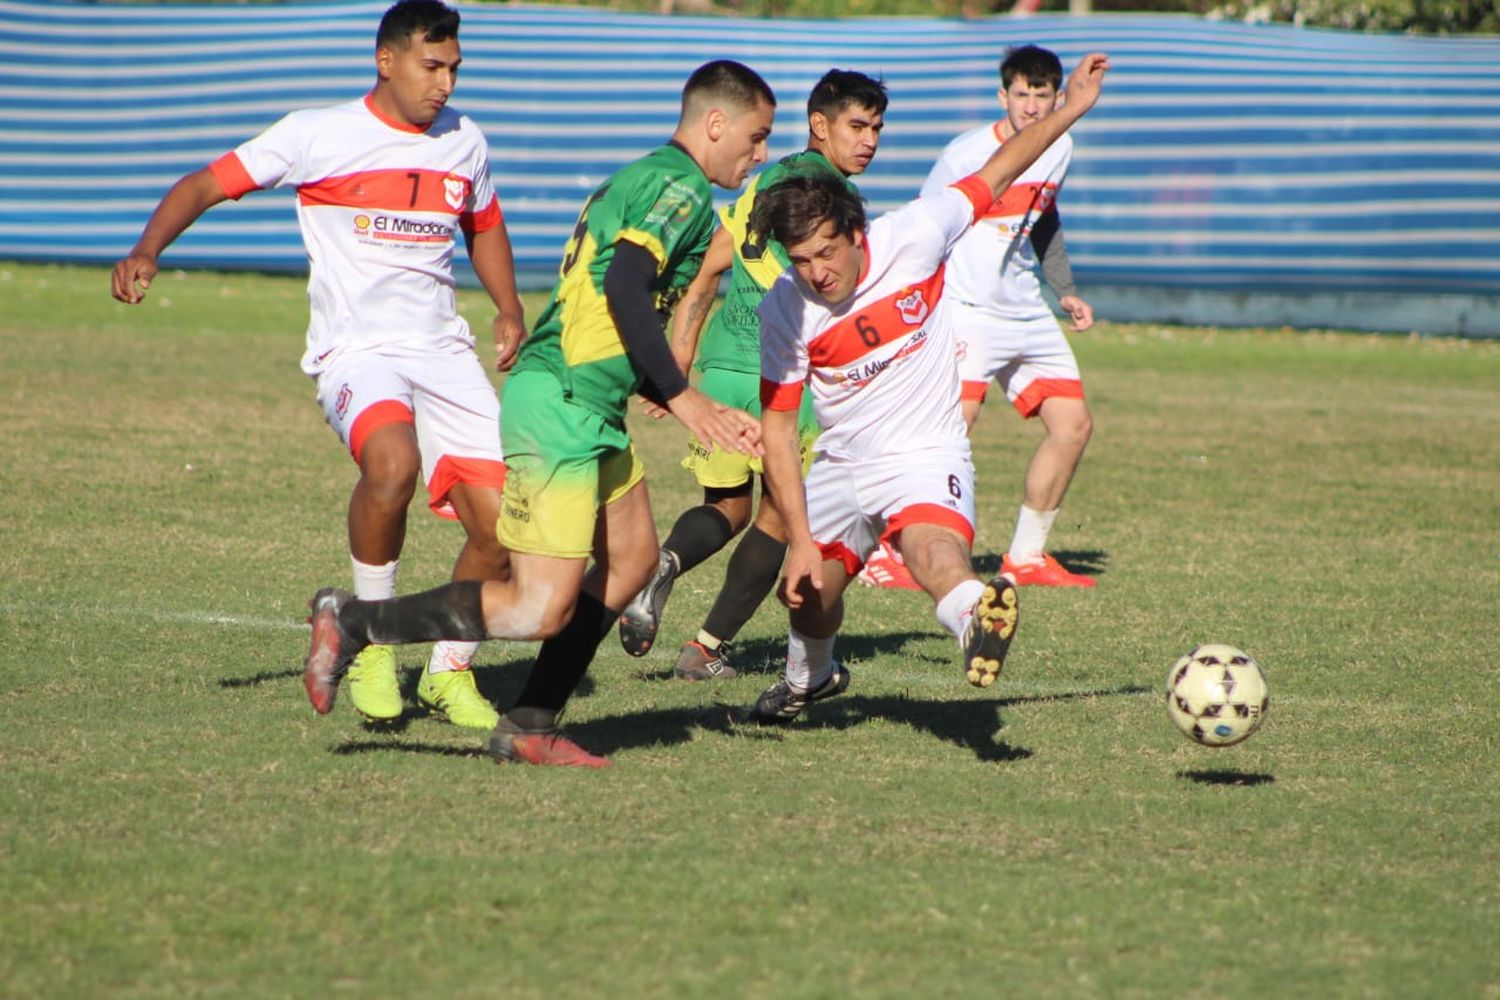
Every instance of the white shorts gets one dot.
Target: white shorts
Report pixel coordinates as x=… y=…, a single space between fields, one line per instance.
x=851 y=507
x=446 y=395
x=1031 y=359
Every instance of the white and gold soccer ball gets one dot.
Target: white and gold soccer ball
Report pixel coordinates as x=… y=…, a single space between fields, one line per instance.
x=1217 y=695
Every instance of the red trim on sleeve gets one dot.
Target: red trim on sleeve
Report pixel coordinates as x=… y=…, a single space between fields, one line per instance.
x=977 y=190
x=974 y=391
x=483 y=221
x=232 y=176
x=776 y=396
x=1029 y=402
x=839 y=552
x=927 y=513
x=450 y=471
x=374 y=417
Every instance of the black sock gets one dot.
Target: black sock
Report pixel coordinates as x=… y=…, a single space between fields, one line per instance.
x=561 y=663
x=452 y=611
x=752 y=572
x=698 y=534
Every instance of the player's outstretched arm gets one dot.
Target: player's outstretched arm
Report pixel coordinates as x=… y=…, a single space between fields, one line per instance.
x=693 y=309
x=182 y=206
x=495 y=266
x=1022 y=149
x=783 y=469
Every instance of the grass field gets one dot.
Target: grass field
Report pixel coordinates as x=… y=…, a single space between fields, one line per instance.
x=176 y=821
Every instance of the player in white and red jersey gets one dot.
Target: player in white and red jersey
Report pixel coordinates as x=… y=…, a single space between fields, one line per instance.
x=852 y=323
x=994 y=307
x=384 y=184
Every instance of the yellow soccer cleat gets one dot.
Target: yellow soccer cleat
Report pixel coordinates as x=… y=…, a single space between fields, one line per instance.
x=372 y=684
x=453 y=695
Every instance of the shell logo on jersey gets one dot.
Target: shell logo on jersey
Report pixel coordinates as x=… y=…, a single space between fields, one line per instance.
x=913 y=307
x=455 y=191
x=362 y=222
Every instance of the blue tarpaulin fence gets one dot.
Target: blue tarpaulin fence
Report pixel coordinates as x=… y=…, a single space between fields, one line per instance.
x=1246 y=159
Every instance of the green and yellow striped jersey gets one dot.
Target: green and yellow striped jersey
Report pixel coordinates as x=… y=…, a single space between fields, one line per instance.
x=661 y=202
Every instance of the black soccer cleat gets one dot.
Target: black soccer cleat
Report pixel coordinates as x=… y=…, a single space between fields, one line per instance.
x=780 y=703
x=642 y=616
x=992 y=625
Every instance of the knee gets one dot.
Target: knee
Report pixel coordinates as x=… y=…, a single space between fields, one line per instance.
x=390 y=476
x=1076 y=429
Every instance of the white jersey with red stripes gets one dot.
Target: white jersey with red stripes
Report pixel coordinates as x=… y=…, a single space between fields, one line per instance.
x=994 y=265
x=883 y=378
x=380 y=203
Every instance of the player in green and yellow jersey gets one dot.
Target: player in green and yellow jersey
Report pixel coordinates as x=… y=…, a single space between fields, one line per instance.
x=845 y=115
x=574 y=486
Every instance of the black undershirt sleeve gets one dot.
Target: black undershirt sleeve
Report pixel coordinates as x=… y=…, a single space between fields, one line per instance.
x=1052 y=250
x=627 y=290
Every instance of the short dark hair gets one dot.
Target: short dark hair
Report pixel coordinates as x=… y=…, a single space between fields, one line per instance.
x=1033 y=64
x=729 y=82
x=795 y=208
x=437 y=21
x=842 y=88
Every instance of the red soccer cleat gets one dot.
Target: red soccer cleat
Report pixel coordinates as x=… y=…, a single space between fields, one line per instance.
x=510 y=743
x=885 y=569
x=1046 y=573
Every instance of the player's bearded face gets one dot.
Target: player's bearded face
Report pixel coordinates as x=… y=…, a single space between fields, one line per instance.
x=1025 y=102
x=829 y=263
x=739 y=144
x=851 y=139
x=420 y=77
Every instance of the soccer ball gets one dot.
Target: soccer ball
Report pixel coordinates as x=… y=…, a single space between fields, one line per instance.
x=1217 y=695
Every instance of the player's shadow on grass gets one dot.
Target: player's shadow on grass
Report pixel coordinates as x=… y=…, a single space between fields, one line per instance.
x=1089 y=562
x=1227 y=777
x=767 y=655
x=972 y=725
x=264 y=677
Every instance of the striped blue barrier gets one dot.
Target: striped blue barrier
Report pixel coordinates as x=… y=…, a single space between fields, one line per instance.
x=1224 y=157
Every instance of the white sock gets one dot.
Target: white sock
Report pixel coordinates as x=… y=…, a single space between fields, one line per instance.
x=450 y=655
x=374 y=583
x=957 y=607
x=1030 y=539
x=809 y=662
x=709 y=641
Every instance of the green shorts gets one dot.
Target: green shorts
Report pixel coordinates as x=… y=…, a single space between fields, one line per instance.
x=564 y=462
x=718 y=469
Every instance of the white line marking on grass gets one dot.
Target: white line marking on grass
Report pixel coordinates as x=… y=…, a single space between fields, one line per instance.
x=166 y=617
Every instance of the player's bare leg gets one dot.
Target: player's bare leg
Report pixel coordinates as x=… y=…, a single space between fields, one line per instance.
x=389 y=465
x=811 y=672
x=981 y=616
x=624 y=557
x=1069 y=426
x=447 y=687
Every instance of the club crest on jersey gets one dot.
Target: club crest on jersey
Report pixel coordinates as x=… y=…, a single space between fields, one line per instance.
x=913 y=308
x=341 y=405
x=455 y=189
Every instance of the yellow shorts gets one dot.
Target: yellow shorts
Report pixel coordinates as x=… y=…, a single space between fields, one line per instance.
x=715 y=468
x=564 y=464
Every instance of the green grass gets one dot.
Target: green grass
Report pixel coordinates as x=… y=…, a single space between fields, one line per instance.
x=175 y=820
